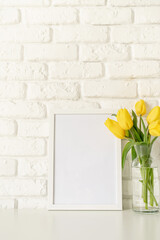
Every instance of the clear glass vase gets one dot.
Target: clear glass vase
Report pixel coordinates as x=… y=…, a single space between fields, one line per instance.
x=145 y=181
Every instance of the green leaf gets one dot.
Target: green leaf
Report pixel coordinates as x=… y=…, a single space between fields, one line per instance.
x=148 y=139
x=135 y=124
x=133 y=152
x=130 y=135
x=130 y=139
x=136 y=134
x=140 y=143
x=154 y=139
x=134 y=119
x=114 y=115
x=126 y=149
x=145 y=130
x=141 y=134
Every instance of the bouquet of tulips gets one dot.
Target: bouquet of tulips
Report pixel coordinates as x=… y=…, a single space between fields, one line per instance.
x=133 y=128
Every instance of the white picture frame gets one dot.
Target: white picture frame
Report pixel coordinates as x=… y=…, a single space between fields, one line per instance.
x=55 y=205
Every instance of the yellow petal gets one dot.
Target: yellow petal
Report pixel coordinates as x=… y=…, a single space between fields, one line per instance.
x=154 y=128
x=153 y=115
x=124 y=119
x=140 y=108
x=114 y=127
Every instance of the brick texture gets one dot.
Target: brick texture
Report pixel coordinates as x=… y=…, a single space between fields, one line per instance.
x=9 y=16
x=54 y=90
x=70 y=54
x=24 y=3
x=147 y=15
x=21 y=147
x=135 y=34
x=78 y=2
x=50 y=52
x=128 y=3
x=80 y=33
x=105 y=15
x=133 y=69
x=51 y=16
x=10 y=52
x=110 y=89
x=75 y=70
x=104 y=52
x=24 y=34
x=8 y=167
x=26 y=187
x=22 y=71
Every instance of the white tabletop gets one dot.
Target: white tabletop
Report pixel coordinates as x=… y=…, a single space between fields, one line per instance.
x=78 y=225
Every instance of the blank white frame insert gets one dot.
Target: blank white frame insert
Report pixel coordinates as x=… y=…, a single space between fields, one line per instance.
x=84 y=163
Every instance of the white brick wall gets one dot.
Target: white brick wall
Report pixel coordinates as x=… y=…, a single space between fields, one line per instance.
x=78 y=2
x=23 y=71
x=133 y=69
x=28 y=34
x=50 y=52
x=9 y=16
x=105 y=16
x=9 y=52
x=51 y=15
x=135 y=33
x=104 y=52
x=75 y=70
x=73 y=54
x=110 y=89
x=80 y=33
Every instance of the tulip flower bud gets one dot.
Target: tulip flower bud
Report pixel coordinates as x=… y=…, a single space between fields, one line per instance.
x=154 y=128
x=124 y=119
x=114 y=127
x=153 y=115
x=140 y=108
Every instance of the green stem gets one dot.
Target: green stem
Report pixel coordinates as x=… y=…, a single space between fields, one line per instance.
x=152 y=194
x=148 y=185
x=140 y=122
x=135 y=134
x=145 y=191
x=154 y=139
x=132 y=134
x=151 y=182
x=142 y=180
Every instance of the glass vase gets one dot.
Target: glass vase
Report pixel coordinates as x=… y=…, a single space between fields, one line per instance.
x=145 y=181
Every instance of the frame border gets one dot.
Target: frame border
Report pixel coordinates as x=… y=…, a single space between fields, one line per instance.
x=51 y=205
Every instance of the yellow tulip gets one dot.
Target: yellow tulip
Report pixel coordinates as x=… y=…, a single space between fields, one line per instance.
x=140 y=108
x=114 y=127
x=153 y=115
x=124 y=119
x=154 y=128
